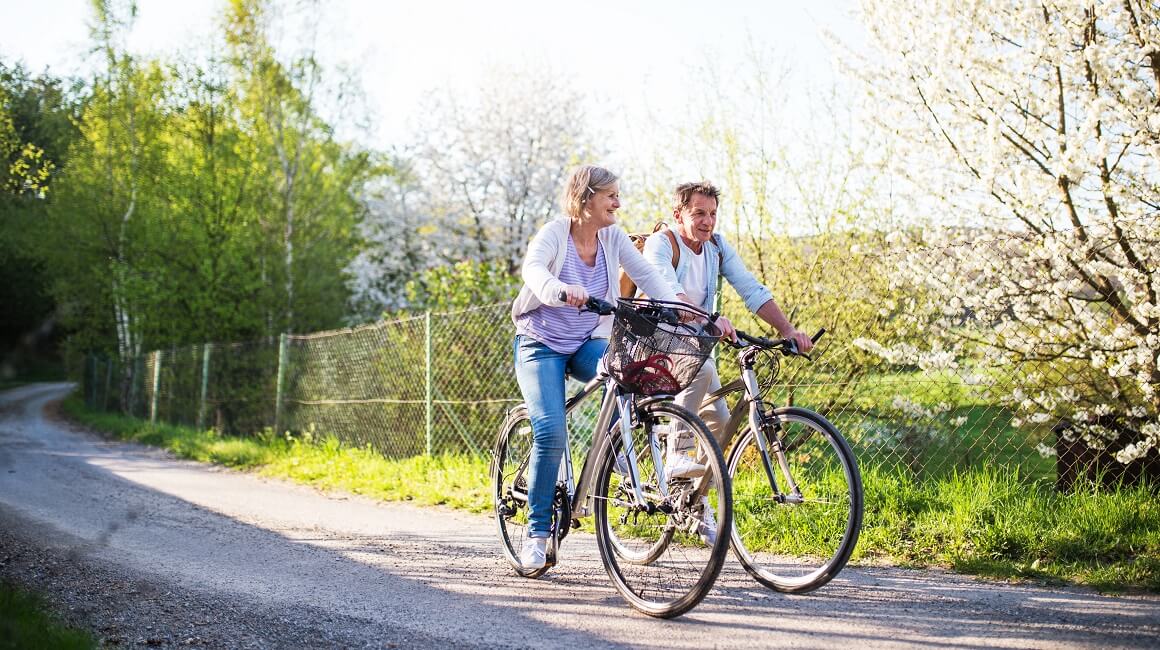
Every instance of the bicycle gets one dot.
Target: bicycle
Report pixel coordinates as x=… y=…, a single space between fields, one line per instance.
x=644 y=521
x=795 y=535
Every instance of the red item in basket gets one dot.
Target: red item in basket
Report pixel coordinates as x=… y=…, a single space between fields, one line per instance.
x=651 y=376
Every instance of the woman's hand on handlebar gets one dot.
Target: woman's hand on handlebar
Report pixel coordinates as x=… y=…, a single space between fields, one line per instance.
x=574 y=295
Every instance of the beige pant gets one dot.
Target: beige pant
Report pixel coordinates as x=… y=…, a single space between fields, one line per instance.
x=715 y=414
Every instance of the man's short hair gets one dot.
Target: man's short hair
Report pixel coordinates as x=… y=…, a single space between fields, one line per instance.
x=683 y=195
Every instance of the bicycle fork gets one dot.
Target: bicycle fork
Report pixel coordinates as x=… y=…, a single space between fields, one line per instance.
x=624 y=409
x=767 y=430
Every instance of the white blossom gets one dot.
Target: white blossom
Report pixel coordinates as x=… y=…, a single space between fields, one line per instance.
x=1035 y=126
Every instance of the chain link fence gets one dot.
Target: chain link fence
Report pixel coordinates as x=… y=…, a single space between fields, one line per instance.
x=909 y=375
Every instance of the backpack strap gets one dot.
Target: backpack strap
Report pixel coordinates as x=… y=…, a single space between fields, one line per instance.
x=672 y=240
x=676 y=247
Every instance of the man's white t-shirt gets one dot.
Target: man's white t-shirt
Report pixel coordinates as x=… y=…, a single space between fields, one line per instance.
x=695 y=284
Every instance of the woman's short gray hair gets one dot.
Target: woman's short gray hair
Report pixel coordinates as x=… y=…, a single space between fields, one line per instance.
x=582 y=183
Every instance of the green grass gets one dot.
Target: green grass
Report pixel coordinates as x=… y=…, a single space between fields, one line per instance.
x=991 y=521
x=26 y=623
x=458 y=481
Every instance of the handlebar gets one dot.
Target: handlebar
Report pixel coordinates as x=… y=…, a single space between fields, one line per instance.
x=597 y=306
x=787 y=346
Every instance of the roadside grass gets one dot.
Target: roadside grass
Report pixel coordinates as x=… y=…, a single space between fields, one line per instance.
x=994 y=521
x=456 y=480
x=26 y=623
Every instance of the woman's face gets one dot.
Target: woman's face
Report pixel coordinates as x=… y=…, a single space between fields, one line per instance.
x=600 y=208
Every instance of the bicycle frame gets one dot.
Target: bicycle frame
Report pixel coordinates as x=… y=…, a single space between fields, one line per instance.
x=765 y=429
x=614 y=401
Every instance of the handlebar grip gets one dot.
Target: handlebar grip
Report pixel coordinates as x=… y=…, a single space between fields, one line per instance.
x=819 y=334
x=753 y=340
x=593 y=304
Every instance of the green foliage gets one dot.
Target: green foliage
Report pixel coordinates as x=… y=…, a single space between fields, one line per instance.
x=26 y=623
x=36 y=128
x=463 y=285
x=189 y=201
x=37 y=116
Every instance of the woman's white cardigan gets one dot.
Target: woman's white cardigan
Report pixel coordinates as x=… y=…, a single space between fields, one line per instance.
x=545 y=258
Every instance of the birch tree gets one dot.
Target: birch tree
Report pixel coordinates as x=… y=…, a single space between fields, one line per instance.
x=100 y=220
x=312 y=212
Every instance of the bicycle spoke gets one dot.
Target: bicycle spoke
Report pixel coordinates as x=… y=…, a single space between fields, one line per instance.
x=509 y=483
x=796 y=543
x=651 y=550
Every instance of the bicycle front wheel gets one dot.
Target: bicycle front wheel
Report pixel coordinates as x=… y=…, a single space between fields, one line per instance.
x=509 y=478
x=653 y=549
x=796 y=540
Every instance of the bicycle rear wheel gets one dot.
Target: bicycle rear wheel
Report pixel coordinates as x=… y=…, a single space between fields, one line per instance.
x=509 y=478
x=651 y=550
x=795 y=542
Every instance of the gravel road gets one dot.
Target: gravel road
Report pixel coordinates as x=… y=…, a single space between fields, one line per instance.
x=146 y=550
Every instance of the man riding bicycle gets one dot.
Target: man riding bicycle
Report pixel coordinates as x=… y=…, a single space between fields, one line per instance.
x=702 y=256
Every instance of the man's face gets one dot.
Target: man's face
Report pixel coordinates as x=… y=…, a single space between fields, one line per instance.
x=696 y=220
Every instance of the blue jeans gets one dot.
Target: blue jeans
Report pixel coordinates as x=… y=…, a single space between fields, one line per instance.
x=540 y=373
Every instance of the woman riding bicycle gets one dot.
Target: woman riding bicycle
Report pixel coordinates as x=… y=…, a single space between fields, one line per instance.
x=577 y=255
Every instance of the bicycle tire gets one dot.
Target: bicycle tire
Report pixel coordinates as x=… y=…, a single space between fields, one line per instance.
x=681 y=571
x=796 y=547
x=509 y=466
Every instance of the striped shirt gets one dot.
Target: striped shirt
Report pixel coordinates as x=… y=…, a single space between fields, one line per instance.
x=564 y=329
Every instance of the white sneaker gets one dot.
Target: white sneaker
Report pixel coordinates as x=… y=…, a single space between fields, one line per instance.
x=534 y=555
x=679 y=465
x=707 y=529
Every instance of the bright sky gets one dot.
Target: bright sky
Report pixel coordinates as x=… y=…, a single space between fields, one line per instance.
x=634 y=58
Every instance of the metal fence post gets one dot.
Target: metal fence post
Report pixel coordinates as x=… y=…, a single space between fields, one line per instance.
x=283 y=340
x=90 y=383
x=108 y=385
x=430 y=383
x=156 y=385
x=205 y=350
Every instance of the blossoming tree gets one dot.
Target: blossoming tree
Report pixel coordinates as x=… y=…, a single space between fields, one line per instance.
x=1030 y=136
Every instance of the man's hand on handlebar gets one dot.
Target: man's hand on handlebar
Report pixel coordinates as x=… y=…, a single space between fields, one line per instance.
x=728 y=332
x=801 y=340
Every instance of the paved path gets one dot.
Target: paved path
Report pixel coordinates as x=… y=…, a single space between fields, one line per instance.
x=350 y=571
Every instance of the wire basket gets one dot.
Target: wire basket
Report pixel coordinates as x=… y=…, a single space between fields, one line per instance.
x=658 y=347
